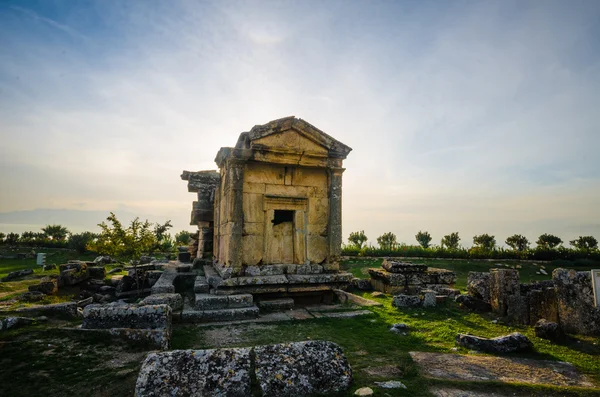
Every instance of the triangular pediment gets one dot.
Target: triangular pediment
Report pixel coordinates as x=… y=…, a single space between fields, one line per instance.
x=291 y=133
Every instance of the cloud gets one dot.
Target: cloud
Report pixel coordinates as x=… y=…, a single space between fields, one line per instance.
x=462 y=115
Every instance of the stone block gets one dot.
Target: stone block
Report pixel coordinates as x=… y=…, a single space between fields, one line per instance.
x=164 y=285
x=403 y=300
x=429 y=298
x=576 y=307
x=175 y=301
x=323 y=278
x=222 y=372
x=19 y=273
x=63 y=310
x=518 y=309
x=503 y=283
x=514 y=342
x=210 y=302
x=402 y=267
x=549 y=330
x=47 y=285
x=302 y=369
x=478 y=285
x=201 y=285
x=127 y=316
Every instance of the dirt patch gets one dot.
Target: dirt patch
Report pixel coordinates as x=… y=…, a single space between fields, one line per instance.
x=385 y=371
x=501 y=369
x=234 y=335
x=443 y=392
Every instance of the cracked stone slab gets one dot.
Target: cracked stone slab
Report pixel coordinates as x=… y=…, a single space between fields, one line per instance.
x=499 y=369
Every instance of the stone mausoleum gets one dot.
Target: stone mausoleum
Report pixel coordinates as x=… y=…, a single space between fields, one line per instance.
x=270 y=220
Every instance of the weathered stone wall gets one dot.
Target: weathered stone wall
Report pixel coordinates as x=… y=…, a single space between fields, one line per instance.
x=575 y=298
x=567 y=299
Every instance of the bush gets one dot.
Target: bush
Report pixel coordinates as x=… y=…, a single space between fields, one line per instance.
x=423 y=238
x=81 y=241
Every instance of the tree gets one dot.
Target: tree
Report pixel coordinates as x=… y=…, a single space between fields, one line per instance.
x=423 y=238
x=585 y=243
x=129 y=243
x=548 y=241
x=81 y=241
x=28 y=235
x=484 y=241
x=357 y=239
x=12 y=238
x=183 y=237
x=450 y=241
x=517 y=242
x=2 y=236
x=164 y=242
x=387 y=241
x=56 y=232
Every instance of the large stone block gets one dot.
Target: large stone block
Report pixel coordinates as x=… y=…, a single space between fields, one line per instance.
x=478 y=285
x=127 y=316
x=503 y=284
x=576 y=310
x=402 y=267
x=222 y=372
x=302 y=369
x=503 y=344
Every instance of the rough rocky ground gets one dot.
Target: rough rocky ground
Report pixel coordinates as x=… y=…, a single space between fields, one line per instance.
x=503 y=369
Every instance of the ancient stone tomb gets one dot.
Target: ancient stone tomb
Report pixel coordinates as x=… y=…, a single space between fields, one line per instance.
x=271 y=216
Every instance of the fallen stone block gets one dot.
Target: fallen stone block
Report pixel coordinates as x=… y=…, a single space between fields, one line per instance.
x=503 y=344
x=429 y=298
x=64 y=310
x=221 y=372
x=301 y=369
x=175 y=301
x=84 y=302
x=127 y=316
x=362 y=284
x=18 y=274
x=406 y=301
x=14 y=322
x=549 y=330
x=47 y=286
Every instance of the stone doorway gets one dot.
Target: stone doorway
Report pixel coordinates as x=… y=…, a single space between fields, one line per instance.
x=285 y=230
x=282 y=243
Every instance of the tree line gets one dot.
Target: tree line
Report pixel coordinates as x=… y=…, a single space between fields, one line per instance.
x=140 y=237
x=548 y=246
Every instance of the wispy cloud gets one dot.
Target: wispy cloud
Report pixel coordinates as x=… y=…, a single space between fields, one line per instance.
x=463 y=116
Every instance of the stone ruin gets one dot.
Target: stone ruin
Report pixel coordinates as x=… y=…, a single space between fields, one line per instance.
x=567 y=299
x=269 y=221
x=413 y=285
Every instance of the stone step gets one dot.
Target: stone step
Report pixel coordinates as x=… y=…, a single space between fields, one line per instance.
x=201 y=285
x=276 y=305
x=213 y=302
x=217 y=315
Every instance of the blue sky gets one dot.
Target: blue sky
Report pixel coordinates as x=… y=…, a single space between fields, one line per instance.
x=468 y=116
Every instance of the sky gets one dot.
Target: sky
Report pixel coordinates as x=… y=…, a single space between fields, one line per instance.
x=468 y=116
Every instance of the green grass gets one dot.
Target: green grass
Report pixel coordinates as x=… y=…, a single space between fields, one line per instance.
x=527 y=270
x=42 y=361
x=367 y=342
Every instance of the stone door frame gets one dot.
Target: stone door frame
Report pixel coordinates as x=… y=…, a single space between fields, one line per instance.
x=299 y=233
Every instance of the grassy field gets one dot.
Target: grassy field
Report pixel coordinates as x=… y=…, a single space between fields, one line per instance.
x=44 y=360
x=527 y=270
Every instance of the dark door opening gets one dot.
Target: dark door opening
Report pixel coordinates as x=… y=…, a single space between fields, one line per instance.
x=282 y=216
